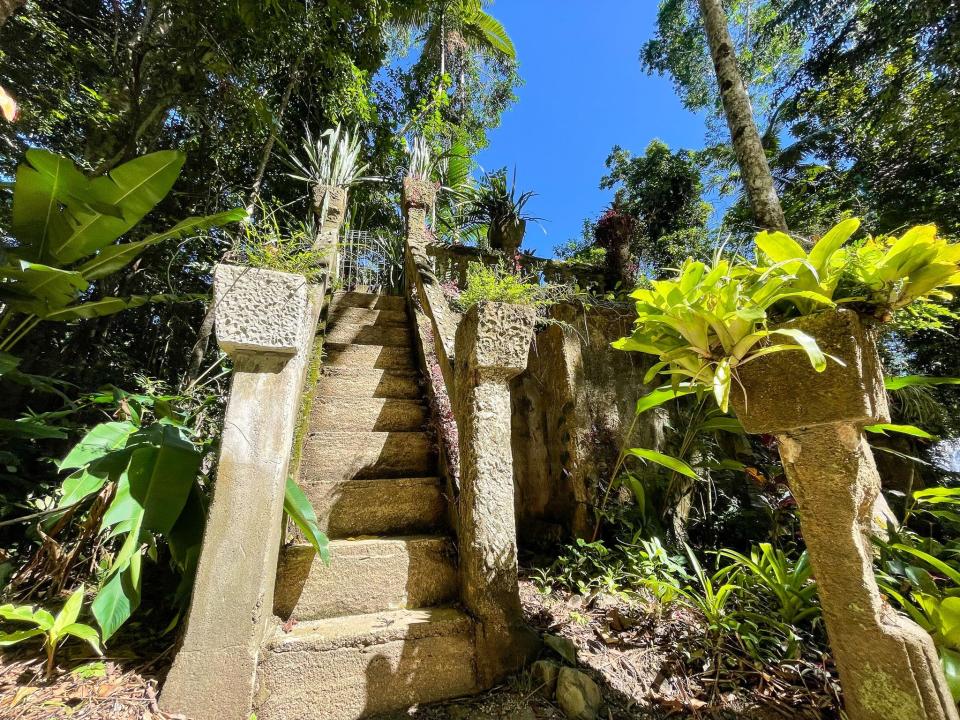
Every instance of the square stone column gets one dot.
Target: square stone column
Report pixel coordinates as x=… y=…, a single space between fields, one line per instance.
x=492 y=346
x=888 y=665
x=330 y=210
x=265 y=320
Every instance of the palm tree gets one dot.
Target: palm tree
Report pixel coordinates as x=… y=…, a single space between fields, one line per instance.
x=452 y=30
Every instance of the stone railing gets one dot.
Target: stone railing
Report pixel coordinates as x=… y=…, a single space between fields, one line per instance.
x=266 y=322
x=450 y=263
x=888 y=665
x=479 y=354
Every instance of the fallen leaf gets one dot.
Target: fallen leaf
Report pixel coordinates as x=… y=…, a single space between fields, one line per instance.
x=22 y=693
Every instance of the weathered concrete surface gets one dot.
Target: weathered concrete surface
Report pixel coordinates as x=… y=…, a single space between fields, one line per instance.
x=351 y=315
x=852 y=392
x=368 y=300
x=256 y=310
x=381 y=506
x=365 y=576
x=571 y=412
x=335 y=457
x=888 y=665
x=367 y=414
x=353 y=382
x=368 y=356
x=350 y=667
x=345 y=333
x=212 y=677
x=8 y=8
x=330 y=208
x=492 y=345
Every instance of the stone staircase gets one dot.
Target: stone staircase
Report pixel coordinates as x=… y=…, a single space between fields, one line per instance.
x=378 y=629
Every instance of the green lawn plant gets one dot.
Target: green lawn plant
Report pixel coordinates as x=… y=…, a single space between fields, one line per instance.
x=54 y=630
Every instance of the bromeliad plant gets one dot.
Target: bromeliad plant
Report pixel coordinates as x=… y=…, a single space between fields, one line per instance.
x=332 y=159
x=708 y=321
x=65 y=227
x=494 y=203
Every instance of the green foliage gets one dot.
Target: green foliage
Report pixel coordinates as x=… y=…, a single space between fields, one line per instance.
x=495 y=204
x=709 y=320
x=662 y=191
x=299 y=509
x=274 y=241
x=66 y=225
x=488 y=284
x=790 y=583
x=920 y=573
x=332 y=159
x=53 y=629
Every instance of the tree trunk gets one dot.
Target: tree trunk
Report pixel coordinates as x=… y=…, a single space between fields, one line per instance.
x=8 y=8
x=743 y=130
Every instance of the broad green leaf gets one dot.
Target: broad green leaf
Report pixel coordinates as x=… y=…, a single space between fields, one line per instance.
x=779 y=247
x=25 y=613
x=134 y=188
x=86 y=633
x=903 y=381
x=831 y=242
x=12 y=638
x=29 y=428
x=162 y=476
x=298 y=507
x=80 y=485
x=724 y=424
x=666 y=461
x=658 y=397
x=7 y=363
x=912 y=430
x=70 y=611
x=48 y=286
x=102 y=439
x=817 y=359
x=116 y=257
x=950 y=661
x=934 y=562
x=118 y=599
x=37 y=220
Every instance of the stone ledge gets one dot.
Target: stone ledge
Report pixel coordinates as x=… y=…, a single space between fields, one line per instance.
x=259 y=311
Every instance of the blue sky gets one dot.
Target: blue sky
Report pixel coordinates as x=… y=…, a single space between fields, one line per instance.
x=584 y=93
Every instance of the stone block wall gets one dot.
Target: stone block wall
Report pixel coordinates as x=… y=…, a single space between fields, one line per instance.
x=571 y=410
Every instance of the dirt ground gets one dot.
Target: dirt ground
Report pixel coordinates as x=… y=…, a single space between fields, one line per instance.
x=641 y=661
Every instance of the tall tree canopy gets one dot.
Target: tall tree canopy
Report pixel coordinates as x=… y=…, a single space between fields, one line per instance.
x=662 y=191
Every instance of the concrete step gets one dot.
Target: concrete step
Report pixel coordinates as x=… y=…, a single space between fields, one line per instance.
x=369 y=300
x=346 y=315
x=367 y=356
x=365 y=575
x=386 y=335
x=335 y=457
x=344 y=381
x=367 y=414
x=350 y=667
x=389 y=506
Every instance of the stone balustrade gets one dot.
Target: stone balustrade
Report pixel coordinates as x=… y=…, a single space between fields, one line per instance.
x=888 y=665
x=265 y=321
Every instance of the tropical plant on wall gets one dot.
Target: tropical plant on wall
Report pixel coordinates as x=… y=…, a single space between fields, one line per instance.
x=65 y=227
x=333 y=158
x=708 y=321
x=495 y=203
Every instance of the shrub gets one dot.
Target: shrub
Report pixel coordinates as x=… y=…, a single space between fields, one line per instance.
x=485 y=284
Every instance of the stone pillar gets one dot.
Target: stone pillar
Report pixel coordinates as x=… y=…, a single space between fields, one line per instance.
x=492 y=345
x=888 y=665
x=265 y=321
x=330 y=209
